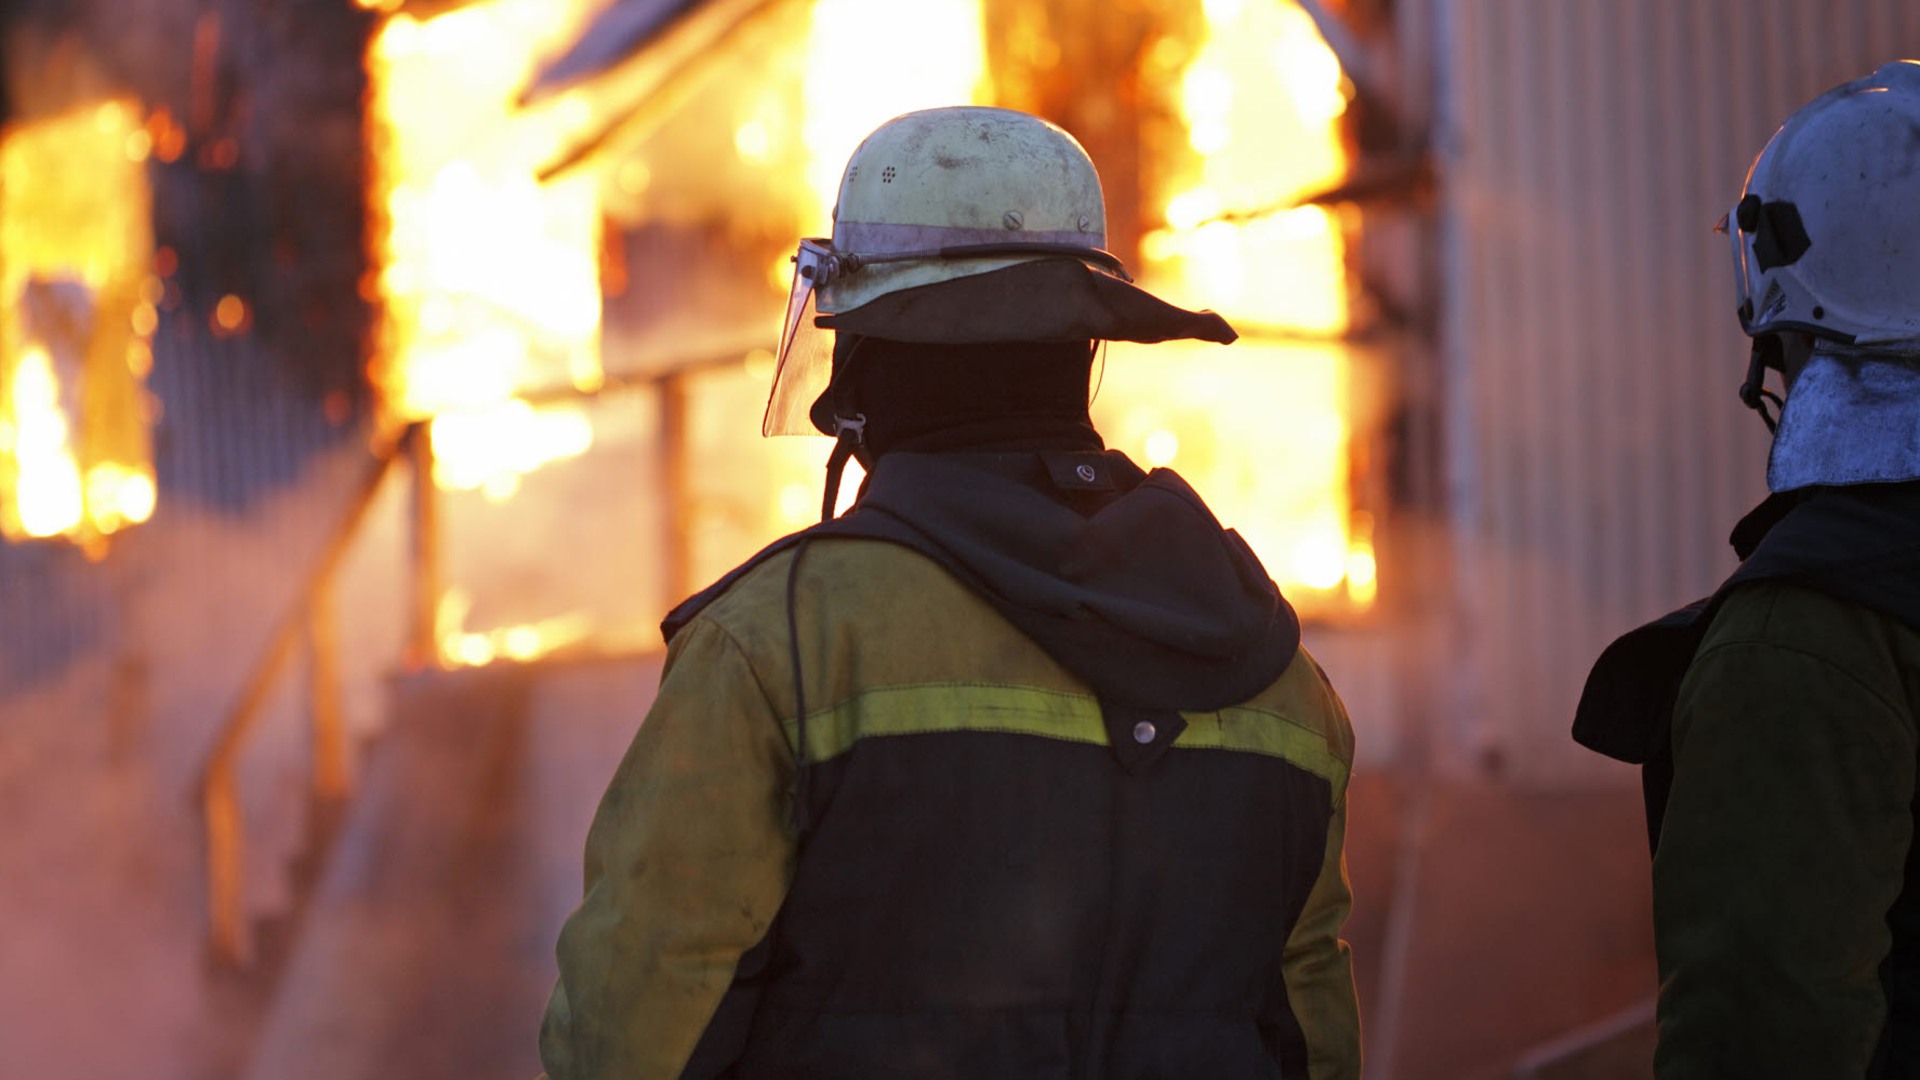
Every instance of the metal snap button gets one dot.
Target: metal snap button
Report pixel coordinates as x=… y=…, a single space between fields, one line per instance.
x=1144 y=731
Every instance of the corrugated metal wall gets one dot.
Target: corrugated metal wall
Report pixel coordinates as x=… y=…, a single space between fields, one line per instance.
x=241 y=446
x=1598 y=454
x=256 y=432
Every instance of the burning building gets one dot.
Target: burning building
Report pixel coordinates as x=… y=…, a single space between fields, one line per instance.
x=560 y=235
x=347 y=337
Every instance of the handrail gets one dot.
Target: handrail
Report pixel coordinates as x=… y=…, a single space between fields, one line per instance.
x=310 y=617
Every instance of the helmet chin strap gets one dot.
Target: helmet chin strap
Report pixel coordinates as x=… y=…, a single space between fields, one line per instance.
x=849 y=427
x=849 y=433
x=1767 y=352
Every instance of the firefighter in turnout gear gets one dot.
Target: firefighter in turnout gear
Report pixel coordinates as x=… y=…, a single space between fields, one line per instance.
x=1779 y=720
x=1017 y=768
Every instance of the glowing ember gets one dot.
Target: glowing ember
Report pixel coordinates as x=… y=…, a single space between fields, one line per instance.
x=520 y=643
x=75 y=251
x=1260 y=427
x=230 y=315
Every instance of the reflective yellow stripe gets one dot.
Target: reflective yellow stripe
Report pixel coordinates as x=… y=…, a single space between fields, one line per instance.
x=941 y=707
x=1052 y=714
x=1263 y=731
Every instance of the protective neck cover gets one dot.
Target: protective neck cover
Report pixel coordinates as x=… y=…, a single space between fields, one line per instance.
x=1858 y=544
x=1852 y=417
x=1129 y=582
x=1146 y=598
x=949 y=397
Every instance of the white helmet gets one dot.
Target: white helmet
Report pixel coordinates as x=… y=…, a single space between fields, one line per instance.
x=1826 y=235
x=963 y=225
x=1826 y=241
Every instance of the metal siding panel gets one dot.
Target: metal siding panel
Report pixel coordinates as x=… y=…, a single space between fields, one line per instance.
x=240 y=440
x=1598 y=452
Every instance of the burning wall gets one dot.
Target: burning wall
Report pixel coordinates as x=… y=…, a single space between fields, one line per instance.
x=76 y=315
x=1272 y=429
x=507 y=303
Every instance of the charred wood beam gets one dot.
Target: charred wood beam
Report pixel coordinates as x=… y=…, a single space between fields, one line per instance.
x=688 y=50
x=1401 y=183
x=423 y=548
x=430 y=9
x=616 y=35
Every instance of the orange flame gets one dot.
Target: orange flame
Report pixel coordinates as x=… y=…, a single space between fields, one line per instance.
x=75 y=322
x=48 y=488
x=858 y=75
x=488 y=278
x=1260 y=428
x=520 y=643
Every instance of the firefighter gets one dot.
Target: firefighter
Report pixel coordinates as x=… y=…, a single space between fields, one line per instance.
x=1777 y=719
x=1016 y=769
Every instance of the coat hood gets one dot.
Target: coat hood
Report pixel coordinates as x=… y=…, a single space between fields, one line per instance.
x=1123 y=577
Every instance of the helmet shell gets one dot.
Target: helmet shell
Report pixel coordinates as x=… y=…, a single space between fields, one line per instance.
x=958 y=176
x=1827 y=235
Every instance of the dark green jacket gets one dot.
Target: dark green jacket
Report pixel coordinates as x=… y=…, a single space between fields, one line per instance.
x=994 y=880
x=1784 y=850
x=1777 y=724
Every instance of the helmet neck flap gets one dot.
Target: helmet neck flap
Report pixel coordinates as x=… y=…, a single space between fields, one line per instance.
x=1851 y=417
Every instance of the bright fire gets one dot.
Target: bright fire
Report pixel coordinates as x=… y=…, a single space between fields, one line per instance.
x=519 y=643
x=1260 y=428
x=48 y=488
x=76 y=314
x=488 y=278
x=857 y=77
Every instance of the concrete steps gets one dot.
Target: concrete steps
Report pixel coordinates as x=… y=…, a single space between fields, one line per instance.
x=1488 y=919
x=426 y=949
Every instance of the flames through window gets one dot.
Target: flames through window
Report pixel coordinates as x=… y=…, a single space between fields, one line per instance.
x=76 y=313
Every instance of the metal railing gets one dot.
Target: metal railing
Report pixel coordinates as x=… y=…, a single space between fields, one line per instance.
x=311 y=623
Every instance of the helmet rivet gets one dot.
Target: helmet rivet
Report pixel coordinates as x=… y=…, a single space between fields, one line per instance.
x=1819 y=312
x=1014 y=221
x=1085 y=223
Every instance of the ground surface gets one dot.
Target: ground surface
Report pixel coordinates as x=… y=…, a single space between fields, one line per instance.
x=1488 y=920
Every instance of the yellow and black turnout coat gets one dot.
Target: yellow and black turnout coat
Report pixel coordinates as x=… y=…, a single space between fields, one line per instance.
x=1015 y=771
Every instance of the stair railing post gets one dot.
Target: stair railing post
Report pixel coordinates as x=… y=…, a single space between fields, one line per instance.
x=226 y=868
x=332 y=779
x=676 y=495
x=423 y=647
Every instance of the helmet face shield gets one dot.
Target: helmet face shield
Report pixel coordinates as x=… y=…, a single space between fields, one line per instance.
x=806 y=354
